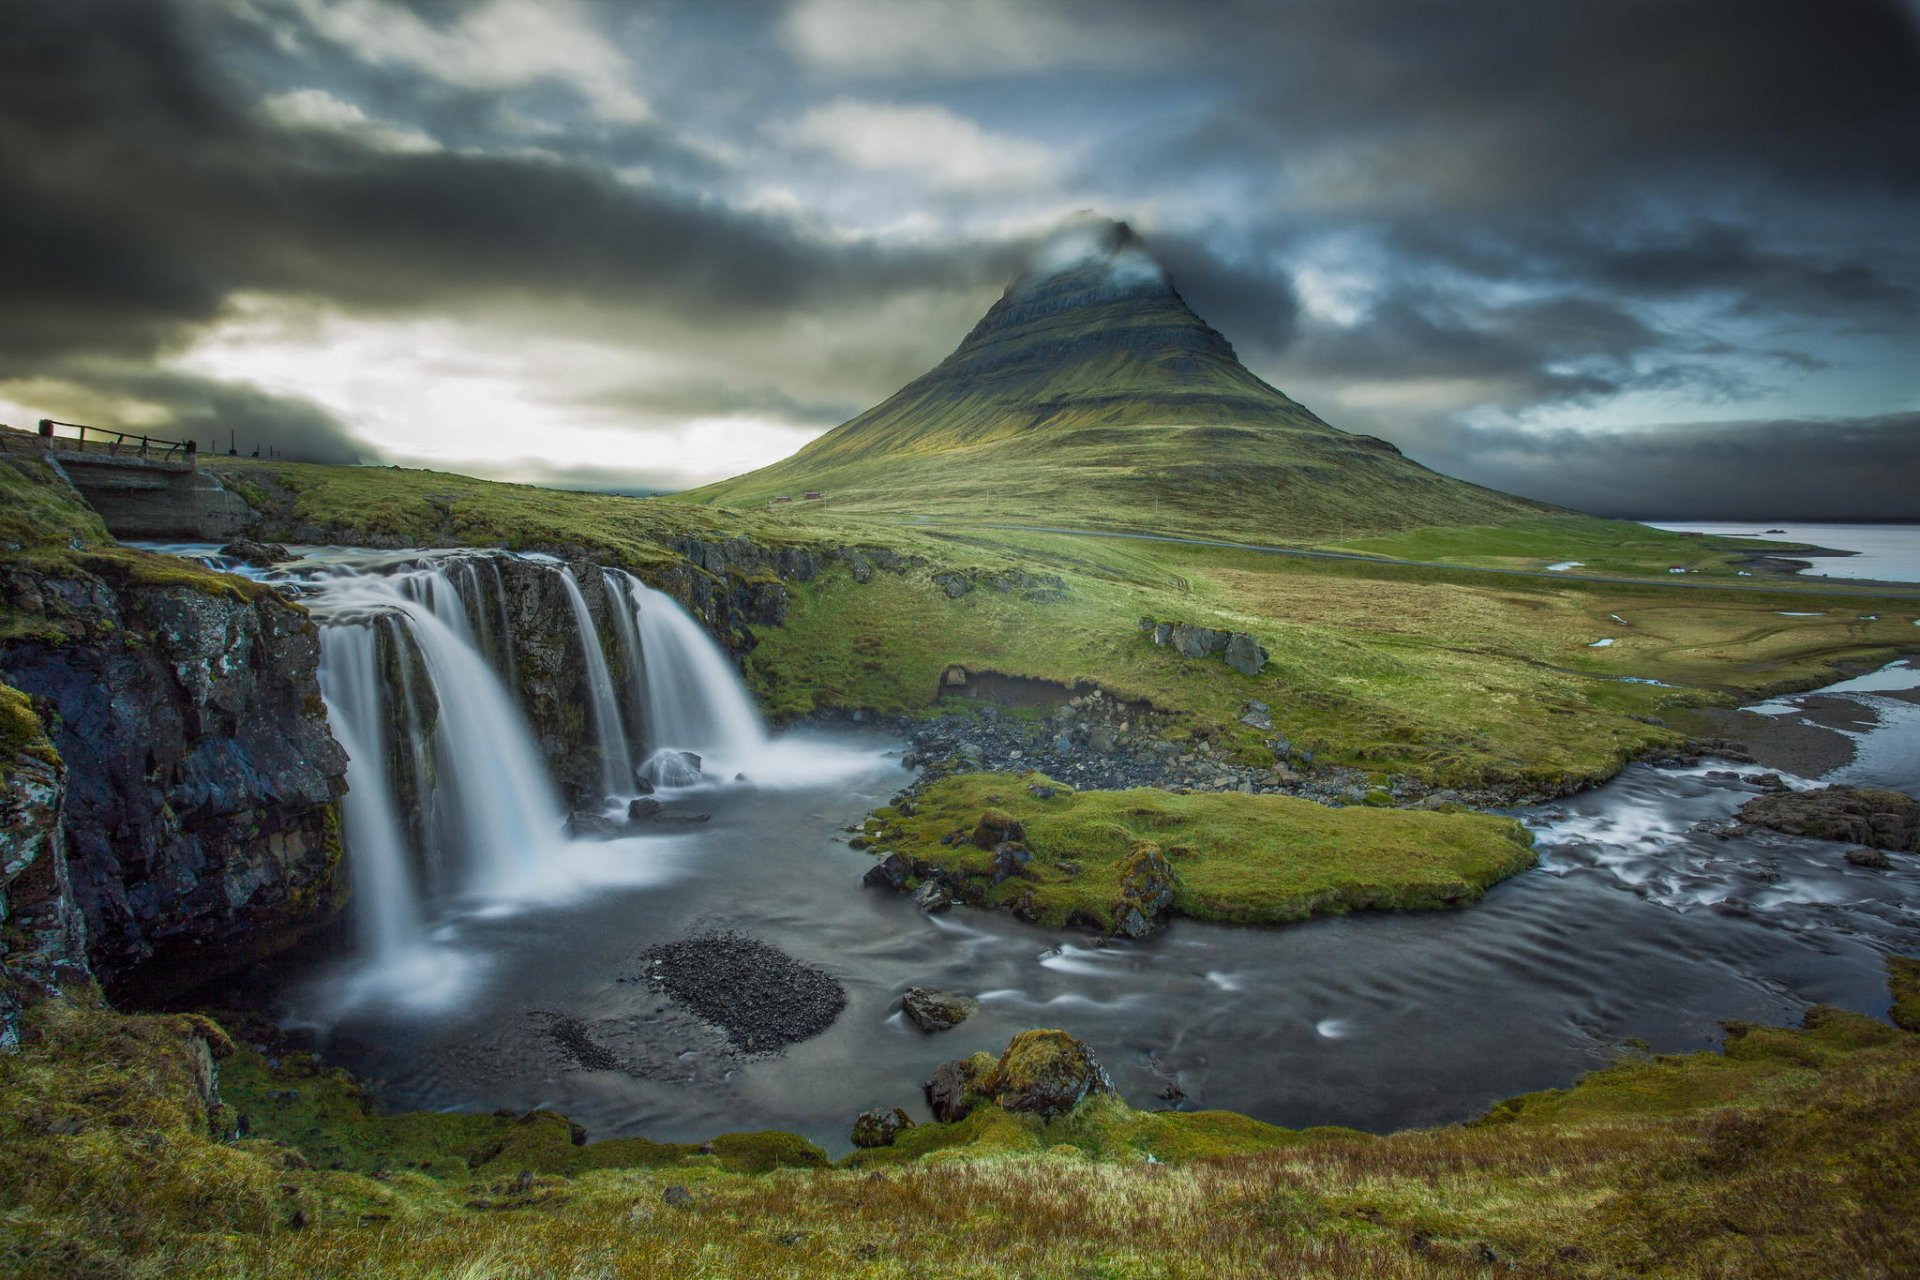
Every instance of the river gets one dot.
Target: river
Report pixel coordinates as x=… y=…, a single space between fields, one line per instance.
x=1638 y=924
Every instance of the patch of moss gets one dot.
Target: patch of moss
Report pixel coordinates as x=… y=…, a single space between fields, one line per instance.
x=1903 y=981
x=21 y=733
x=1245 y=858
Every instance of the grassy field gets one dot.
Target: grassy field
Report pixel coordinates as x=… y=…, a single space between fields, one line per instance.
x=1452 y=677
x=1251 y=859
x=1448 y=675
x=1790 y=1155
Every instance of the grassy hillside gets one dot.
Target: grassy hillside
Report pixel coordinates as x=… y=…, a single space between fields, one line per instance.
x=1091 y=395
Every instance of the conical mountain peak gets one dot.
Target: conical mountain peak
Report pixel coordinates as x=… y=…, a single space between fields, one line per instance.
x=1090 y=393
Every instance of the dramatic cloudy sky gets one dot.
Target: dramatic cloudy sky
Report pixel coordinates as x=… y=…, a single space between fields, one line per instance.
x=1651 y=257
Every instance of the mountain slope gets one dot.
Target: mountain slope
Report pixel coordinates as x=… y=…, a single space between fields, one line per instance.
x=1090 y=394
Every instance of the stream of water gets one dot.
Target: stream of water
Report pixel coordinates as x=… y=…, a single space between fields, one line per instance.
x=480 y=923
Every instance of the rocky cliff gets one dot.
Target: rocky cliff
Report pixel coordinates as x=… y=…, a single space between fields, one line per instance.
x=197 y=801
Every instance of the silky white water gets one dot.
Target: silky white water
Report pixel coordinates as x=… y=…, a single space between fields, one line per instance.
x=695 y=699
x=609 y=734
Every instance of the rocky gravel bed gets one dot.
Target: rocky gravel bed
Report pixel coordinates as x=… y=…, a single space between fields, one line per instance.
x=760 y=996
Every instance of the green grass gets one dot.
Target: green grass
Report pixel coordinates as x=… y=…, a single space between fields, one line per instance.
x=1441 y=674
x=392 y=506
x=1252 y=859
x=1603 y=547
x=1790 y=1155
x=39 y=509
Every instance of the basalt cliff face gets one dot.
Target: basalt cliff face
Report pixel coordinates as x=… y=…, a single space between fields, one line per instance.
x=190 y=824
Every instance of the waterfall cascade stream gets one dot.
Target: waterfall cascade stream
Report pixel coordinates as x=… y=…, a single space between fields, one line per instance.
x=449 y=796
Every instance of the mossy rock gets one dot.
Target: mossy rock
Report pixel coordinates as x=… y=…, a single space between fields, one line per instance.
x=996 y=827
x=1046 y=1073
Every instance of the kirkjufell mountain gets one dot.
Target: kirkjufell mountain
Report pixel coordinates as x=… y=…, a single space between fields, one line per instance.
x=1091 y=395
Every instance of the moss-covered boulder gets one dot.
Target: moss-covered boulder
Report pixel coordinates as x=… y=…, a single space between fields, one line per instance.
x=1046 y=1073
x=957 y=1087
x=931 y=1009
x=879 y=1127
x=997 y=827
x=1147 y=884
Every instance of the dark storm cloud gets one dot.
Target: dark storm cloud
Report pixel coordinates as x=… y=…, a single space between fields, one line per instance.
x=144 y=191
x=221 y=416
x=1505 y=100
x=1860 y=468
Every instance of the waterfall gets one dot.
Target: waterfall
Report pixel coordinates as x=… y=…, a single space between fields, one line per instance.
x=490 y=810
x=610 y=736
x=696 y=700
x=386 y=909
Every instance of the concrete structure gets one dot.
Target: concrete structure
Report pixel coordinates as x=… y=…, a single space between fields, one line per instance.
x=152 y=489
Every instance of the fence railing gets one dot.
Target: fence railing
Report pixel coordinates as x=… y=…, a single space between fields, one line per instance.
x=123 y=444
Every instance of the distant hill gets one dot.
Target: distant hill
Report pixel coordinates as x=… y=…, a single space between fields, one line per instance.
x=1091 y=395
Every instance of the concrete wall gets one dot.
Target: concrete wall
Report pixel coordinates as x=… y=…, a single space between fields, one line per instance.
x=157 y=500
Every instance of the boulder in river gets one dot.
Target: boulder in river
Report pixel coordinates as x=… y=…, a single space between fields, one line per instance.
x=933 y=898
x=879 y=1127
x=584 y=824
x=261 y=555
x=670 y=767
x=891 y=872
x=1046 y=1073
x=1872 y=859
x=931 y=1009
x=640 y=808
x=1858 y=815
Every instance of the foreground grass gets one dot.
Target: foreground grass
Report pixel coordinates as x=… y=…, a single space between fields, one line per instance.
x=1252 y=859
x=1791 y=1154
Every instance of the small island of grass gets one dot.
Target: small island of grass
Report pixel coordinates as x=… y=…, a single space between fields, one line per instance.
x=1121 y=861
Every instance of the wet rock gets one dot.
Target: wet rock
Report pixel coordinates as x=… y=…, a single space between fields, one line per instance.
x=674 y=768
x=1010 y=860
x=891 y=872
x=199 y=821
x=931 y=1009
x=642 y=808
x=879 y=1127
x=1245 y=655
x=584 y=824
x=641 y=786
x=1872 y=859
x=958 y=1086
x=1858 y=815
x=1769 y=781
x=933 y=898
x=1046 y=1073
x=261 y=555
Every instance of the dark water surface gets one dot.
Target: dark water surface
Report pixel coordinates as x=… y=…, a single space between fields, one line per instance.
x=1633 y=925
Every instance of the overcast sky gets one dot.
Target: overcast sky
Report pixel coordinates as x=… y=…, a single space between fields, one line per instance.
x=1646 y=257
